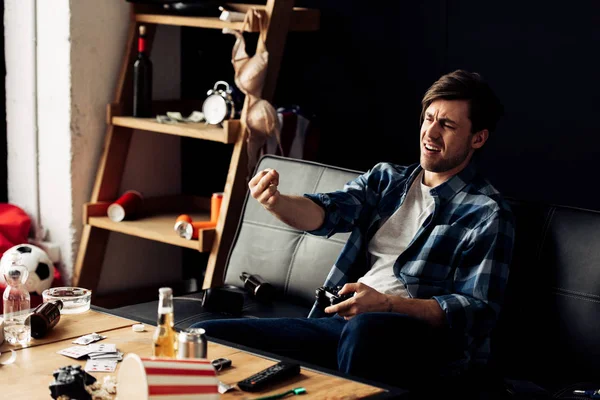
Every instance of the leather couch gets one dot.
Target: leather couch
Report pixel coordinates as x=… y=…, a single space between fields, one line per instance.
x=547 y=342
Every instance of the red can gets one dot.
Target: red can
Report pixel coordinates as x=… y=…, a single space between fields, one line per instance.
x=128 y=206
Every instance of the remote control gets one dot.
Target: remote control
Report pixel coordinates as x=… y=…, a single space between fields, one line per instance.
x=273 y=374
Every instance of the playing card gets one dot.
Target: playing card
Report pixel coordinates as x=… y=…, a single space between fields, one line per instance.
x=106 y=356
x=100 y=365
x=103 y=348
x=75 y=351
x=89 y=338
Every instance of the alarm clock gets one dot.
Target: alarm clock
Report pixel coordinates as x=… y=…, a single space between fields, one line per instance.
x=218 y=105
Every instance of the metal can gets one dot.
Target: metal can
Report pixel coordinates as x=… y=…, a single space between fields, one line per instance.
x=183 y=226
x=192 y=344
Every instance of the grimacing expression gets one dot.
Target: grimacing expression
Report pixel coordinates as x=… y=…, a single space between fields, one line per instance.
x=447 y=143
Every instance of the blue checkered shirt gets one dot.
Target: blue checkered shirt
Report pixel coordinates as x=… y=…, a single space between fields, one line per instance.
x=460 y=256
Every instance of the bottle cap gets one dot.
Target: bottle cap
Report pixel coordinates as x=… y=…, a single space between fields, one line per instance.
x=165 y=290
x=138 y=328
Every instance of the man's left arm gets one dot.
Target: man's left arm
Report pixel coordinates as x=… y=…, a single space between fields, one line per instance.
x=481 y=278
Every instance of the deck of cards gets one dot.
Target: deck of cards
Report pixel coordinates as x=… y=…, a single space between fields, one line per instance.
x=102 y=357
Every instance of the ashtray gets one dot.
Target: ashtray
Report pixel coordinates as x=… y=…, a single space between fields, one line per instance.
x=75 y=299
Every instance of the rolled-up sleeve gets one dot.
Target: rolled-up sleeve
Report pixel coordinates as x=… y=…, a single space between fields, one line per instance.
x=343 y=208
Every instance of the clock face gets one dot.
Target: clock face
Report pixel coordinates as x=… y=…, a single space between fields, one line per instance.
x=214 y=109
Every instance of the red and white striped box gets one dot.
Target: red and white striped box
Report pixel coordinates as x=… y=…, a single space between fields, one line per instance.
x=152 y=378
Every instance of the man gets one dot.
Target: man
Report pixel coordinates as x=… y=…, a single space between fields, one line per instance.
x=431 y=246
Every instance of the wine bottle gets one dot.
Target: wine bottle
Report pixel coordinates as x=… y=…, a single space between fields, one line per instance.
x=142 y=79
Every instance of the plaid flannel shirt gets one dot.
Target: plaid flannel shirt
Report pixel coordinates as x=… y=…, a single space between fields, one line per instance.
x=460 y=256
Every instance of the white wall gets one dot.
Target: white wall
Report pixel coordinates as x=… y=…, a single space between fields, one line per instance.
x=73 y=71
x=54 y=105
x=21 y=113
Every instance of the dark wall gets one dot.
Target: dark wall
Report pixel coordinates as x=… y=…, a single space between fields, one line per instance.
x=364 y=73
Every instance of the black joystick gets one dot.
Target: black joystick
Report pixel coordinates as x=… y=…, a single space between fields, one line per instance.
x=71 y=381
x=328 y=296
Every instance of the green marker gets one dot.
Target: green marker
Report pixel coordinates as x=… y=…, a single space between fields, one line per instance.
x=298 y=390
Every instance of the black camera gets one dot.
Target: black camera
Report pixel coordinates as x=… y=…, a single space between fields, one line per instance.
x=328 y=296
x=260 y=289
x=71 y=381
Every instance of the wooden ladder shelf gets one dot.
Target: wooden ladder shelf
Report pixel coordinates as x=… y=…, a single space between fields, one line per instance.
x=161 y=212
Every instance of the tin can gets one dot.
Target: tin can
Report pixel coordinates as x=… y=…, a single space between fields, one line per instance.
x=215 y=206
x=183 y=226
x=192 y=344
x=187 y=229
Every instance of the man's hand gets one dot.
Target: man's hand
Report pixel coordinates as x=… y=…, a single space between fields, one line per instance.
x=365 y=299
x=263 y=187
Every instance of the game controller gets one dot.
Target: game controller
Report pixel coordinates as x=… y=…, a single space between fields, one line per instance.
x=328 y=296
x=71 y=381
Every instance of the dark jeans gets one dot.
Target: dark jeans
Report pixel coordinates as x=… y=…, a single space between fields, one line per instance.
x=386 y=347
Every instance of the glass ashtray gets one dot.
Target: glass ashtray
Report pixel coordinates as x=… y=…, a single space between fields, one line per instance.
x=75 y=300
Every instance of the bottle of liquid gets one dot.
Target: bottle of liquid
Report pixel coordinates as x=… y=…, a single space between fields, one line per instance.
x=16 y=302
x=44 y=317
x=165 y=336
x=142 y=79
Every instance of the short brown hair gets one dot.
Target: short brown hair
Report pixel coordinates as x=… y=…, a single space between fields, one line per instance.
x=484 y=107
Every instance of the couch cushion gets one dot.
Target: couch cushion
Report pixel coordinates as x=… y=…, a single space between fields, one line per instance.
x=296 y=263
x=549 y=325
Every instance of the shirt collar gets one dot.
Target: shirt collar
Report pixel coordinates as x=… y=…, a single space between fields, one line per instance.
x=451 y=187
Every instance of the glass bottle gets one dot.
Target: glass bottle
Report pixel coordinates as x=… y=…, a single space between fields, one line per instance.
x=165 y=337
x=142 y=79
x=16 y=302
x=44 y=317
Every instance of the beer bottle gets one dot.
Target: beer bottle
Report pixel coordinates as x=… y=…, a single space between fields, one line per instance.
x=44 y=317
x=165 y=337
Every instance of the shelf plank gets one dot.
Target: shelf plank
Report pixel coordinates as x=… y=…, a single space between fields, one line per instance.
x=194 y=22
x=303 y=19
x=226 y=134
x=159 y=228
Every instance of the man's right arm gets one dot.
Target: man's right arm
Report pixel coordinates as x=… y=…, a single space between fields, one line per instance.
x=296 y=211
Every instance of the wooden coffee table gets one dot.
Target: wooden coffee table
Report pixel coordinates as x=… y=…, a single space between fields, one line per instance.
x=30 y=375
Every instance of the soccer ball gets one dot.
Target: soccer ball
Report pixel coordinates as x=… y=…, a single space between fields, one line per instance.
x=39 y=265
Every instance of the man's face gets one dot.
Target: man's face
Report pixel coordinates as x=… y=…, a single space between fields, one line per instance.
x=447 y=143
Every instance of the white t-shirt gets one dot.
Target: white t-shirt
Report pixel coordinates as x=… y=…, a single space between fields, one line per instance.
x=394 y=236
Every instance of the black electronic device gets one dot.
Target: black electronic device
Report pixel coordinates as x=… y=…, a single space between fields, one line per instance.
x=268 y=376
x=259 y=288
x=71 y=381
x=328 y=296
